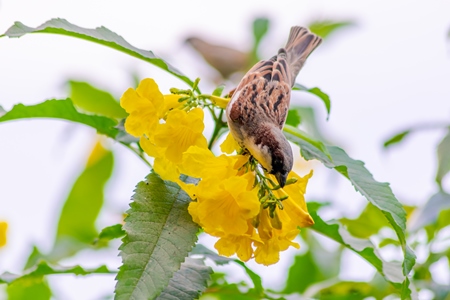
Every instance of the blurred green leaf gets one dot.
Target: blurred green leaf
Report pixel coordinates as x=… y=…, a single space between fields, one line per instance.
x=36 y=289
x=293 y=118
x=396 y=138
x=443 y=154
x=309 y=122
x=76 y=227
x=343 y=290
x=218 y=90
x=388 y=241
x=315 y=91
x=300 y=134
x=324 y=28
x=2 y=111
x=160 y=234
x=189 y=281
x=316 y=265
x=260 y=29
x=109 y=233
x=220 y=260
x=94 y=100
x=379 y=194
x=61 y=109
x=369 y=222
x=428 y=213
x=302 y=273
x=100 y=35
x=391 y=271
x=43 y=268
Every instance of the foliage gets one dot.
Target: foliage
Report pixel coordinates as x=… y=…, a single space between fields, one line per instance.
x=160 y=254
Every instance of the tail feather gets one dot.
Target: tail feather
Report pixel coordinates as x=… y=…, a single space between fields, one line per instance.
x=300 y=45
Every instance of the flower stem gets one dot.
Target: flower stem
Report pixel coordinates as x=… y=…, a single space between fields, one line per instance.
x=138 y=153
x=217 y=127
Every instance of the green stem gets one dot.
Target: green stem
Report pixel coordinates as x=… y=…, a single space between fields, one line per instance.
x=218 y=125
x=138 y=153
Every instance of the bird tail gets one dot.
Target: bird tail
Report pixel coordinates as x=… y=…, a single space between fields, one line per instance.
x=300 y=45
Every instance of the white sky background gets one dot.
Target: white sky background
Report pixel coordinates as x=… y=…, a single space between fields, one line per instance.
x=388 y=72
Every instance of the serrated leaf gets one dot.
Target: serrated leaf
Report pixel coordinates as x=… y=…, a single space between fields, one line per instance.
x=43 y=268
x=293 y=118
x=368 y=223
x=379 y=194
x=188 y=282
x=100 y=35
x=64 y=110
x=318 y=92
x=443 y=154
x=82 y=206
x=324 y=28
x=397 y=138
x=94 y=100
x=160 y=234
x=391 y=271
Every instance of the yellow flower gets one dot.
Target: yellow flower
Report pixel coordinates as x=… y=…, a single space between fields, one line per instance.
x=143 y=106
x=273 y=240
x=181 y=130
x=241 y=245
x=3 y=228
x=229 y=145
x=225 y=207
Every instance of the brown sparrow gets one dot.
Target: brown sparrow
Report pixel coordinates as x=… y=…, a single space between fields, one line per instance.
x=224 y=59
x=258 y=107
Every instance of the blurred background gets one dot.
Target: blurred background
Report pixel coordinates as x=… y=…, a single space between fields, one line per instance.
x=386 y=68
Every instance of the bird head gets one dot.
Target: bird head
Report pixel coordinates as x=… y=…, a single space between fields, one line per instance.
x=270 y=147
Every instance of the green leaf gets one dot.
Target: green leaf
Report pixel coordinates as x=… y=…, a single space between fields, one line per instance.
x=315 y=265
x=37 y=289
x=443 y=154
x=61 y=109
x=112 y=232
x=315 y=91
x=100 y=35
x=107 y=234
x=260 y=29
x=94 y=100
x=396 y=138
x=300 y=134
x=391 y=271
x=76 y=227
x=309 y=122
x=218 y=90
x=160 y=234
x=293 y=118
x=43 y=268
x=429 y=213
x=189 y=281
x=325 y=27
x=369 y=222
x=220 y=260
x=379 y=194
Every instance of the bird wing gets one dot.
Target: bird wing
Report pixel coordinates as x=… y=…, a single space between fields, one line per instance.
x=263 y=95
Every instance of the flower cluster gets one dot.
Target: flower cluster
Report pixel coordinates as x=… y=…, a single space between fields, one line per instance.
x=234 y=199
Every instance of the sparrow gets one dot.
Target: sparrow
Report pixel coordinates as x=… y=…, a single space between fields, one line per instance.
x=258 y=108
x=225 y=60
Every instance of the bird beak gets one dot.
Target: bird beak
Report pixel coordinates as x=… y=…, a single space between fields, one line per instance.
x=281 y=178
